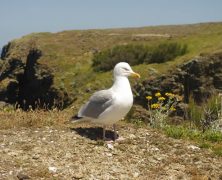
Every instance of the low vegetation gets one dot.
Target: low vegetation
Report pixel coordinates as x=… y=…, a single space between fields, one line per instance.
x=136 y=54
x=160 y=107
x=207 y=115
x=203 y=126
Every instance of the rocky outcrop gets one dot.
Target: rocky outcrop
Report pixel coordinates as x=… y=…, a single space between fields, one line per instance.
x=198 y=78
x=26 y=82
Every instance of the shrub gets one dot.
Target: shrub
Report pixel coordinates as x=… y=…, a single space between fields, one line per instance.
x=137 y=54
x=208 y=115
x=167 y=51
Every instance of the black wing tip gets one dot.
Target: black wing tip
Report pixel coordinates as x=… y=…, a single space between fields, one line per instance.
x=75 y=118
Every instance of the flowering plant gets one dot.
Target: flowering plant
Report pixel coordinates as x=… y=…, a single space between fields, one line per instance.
x=160 y=106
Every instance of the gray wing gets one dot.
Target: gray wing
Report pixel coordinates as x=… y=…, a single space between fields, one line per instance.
x=97 y=104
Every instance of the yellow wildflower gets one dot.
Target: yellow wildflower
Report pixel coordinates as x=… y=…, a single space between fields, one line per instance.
x=149 y=97
x=172 y=108
x=155 y=106
x=161 y=98
x=170 y=95
x=157 y=94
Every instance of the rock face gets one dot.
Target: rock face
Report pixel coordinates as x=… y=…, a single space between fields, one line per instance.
x=200 y=78
x=26 y=82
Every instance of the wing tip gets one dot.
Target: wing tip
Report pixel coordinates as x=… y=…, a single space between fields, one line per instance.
x=75 y=118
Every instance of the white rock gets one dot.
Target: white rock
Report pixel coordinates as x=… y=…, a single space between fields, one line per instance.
x=132 y=136
x=155 y=149
x=109 y=154
x=136 y=174
x=52 y=169
x=110 y=146
x=193 y=147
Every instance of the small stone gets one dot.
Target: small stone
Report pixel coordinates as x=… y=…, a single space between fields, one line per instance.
x=78 y=176
x=10 y=143
x=193 y=147
x=21 y=176
x=136 y=174
x=35 y=157
x=52 y=169
x=155 y=149
x=13 y=154
x=109 y=154
x=132 y=136
x=110 y=146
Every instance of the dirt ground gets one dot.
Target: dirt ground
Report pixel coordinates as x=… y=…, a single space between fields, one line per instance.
x=77 y=152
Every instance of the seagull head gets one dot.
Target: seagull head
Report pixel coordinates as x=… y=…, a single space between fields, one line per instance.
x=124 y=69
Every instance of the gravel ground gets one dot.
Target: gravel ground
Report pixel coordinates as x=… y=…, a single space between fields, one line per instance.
x=78 y=153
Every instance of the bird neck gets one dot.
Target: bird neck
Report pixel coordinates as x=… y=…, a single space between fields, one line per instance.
x=121 y=83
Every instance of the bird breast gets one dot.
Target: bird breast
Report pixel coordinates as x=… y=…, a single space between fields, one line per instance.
x=124 y=99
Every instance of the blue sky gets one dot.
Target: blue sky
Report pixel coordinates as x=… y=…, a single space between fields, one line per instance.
x=21 y=17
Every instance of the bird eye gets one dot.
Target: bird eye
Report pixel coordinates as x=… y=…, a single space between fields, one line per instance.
x=125 y=69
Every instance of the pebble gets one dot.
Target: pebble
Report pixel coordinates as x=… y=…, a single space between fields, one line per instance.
x=21 y=176
x=52 y=169
x=193 y=147
x=78 y=176
x=35 y=157
x=136 y=174
x=132 y=136
x=109 y=154
x=110 y=146
x=155 y=149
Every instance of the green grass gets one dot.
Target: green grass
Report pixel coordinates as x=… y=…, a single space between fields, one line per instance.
x=136 y=54
x=217 y=150
x=208 y=140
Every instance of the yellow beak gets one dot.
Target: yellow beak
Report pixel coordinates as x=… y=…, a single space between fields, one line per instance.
x=133 y=74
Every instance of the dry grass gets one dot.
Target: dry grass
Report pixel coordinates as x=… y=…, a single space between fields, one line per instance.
x=38 y=118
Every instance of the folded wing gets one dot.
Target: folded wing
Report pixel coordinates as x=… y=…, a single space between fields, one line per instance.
x=97 y=104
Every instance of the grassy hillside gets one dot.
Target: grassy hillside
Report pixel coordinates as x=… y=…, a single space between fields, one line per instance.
x=38 y=143
x=70 y=53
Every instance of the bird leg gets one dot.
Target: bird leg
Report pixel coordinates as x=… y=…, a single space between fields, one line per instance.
x=115 y=134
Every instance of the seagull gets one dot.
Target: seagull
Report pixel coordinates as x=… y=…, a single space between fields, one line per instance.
x=107 y=107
